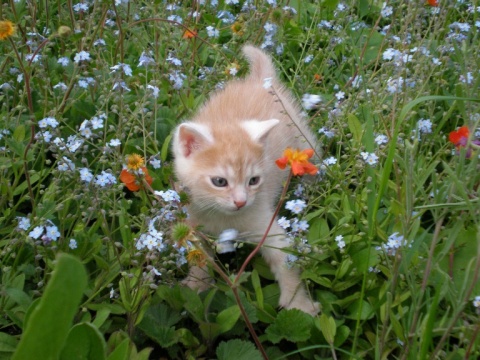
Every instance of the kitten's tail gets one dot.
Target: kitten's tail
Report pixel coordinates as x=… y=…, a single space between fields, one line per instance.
x=261 y=66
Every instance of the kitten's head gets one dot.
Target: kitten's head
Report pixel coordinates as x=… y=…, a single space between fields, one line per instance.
x=223 y=168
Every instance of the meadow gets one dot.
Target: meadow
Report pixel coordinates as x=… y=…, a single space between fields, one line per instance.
x=94 y=237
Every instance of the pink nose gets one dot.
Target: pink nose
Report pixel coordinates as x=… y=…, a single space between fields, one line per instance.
x=239 y=204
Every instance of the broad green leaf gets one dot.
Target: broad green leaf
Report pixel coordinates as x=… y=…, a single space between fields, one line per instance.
x=121 y=352
x=228 y=318
x=49 y=323
x=282 y=327
x=8 y=343
x=84 y=341
x=327 y=327
x=238 y=350
x=360 y=309
x=19 y=133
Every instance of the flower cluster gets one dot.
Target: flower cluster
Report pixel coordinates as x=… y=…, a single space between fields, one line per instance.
x=395 y=242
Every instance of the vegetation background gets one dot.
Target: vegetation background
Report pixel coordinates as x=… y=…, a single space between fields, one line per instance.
x=93 y=243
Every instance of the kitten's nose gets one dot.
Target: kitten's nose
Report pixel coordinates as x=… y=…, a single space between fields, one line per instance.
x=239 y=204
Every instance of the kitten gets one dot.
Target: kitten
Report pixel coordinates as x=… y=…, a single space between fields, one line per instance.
x=225 y=157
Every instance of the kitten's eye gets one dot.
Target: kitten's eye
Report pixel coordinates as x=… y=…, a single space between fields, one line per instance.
x=254 y=180
x=219 y=181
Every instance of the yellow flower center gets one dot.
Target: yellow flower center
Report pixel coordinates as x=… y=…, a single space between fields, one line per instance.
x=6 y=29
x=135 y=162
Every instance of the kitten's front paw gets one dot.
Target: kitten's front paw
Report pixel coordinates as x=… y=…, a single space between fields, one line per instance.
x=196 y=284
x=303 y=303
x=197 y=279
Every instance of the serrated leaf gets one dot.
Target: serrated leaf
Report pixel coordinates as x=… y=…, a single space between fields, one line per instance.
x=238 y=350
x=282 y=327
x=158 y=323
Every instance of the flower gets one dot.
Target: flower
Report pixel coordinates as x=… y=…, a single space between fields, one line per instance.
x=196 y=257
x=296 y=206
x=310 y=101
x=340 y=242
x=381 y=139
x=134 y=162
x=23 y=223
x=212 y=32
x=7 y=29
x=73 y=244
x=81 y=56
x=476 y=302
x=168 y=196
x=129 y=178
x=369 y=158
x=283 y=222
x=298 y=160
x=36 y=232
x=432 y=2
x=188 y=34
x=225 y=242
x=459 y=137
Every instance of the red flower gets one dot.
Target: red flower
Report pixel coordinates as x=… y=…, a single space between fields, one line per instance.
x=132 y=181
x=432 y=2
x=459 y=137
x=298 y=160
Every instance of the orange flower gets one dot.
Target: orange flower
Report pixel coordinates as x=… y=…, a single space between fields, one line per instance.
x=298 y=160
x=188 y=34
x=132 y=181
x=432 y=2
x=459 y=137
x=7 y=29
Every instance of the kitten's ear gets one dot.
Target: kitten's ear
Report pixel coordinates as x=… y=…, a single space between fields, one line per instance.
x=258 y=130
x=190 y=137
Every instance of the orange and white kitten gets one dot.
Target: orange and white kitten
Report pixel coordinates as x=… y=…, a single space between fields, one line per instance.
x=225 y=157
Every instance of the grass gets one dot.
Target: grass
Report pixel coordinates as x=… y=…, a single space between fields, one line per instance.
x=392 y=246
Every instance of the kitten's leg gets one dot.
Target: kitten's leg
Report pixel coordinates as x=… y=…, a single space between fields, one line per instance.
x=198 y=278
x=292 y=291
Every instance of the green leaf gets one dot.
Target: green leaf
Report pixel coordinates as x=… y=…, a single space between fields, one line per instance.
x=355 y=127
x=121 y=352
x=327 y=327
x=257 y=286
x=360 y=309
x=228 y=318
x=19 y=133
x=49 y=323
x=282 y=327
x=158 y=323
x=19 y=297
x=8 y=343
x=84 y=341
x=238 y=350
